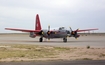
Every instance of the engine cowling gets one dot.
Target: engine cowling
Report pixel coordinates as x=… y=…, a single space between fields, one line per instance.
x=74 y=34
x=32 y=34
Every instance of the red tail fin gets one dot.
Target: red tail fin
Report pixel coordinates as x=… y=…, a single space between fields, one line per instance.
x=38 y=25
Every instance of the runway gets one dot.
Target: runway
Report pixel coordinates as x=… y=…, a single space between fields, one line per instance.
x=93 y=41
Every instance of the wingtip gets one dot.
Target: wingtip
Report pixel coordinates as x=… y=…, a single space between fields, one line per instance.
x=6 y=28
x=96 y=29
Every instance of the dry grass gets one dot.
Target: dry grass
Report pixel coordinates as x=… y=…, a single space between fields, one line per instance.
x=26 y=51
x=23 y=52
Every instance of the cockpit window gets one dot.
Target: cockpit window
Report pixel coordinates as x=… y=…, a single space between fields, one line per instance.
x=62 y=28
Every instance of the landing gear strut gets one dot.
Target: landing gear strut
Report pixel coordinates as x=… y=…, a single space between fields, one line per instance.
x=41 y=39
x=64 y=39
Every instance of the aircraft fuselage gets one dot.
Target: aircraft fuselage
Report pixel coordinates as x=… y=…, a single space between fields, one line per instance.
x=56 y=34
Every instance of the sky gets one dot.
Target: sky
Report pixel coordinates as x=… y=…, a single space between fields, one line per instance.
x=82 y=14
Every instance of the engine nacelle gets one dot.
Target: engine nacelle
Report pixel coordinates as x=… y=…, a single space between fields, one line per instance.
x=32 y=34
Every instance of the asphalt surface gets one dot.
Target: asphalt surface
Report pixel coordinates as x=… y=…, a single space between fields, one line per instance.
x=77 y=62
x=93 y=41
x=83 y=41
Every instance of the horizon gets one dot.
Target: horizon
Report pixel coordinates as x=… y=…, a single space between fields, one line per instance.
x=56 y=13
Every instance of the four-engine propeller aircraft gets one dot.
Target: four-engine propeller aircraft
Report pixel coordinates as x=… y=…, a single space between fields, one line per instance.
x=60 y=33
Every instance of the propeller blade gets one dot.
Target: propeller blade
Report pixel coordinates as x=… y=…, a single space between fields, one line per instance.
x=48 y=32
x=70 y=28
x=49 y=28
x=76 y=38
x=77 y=29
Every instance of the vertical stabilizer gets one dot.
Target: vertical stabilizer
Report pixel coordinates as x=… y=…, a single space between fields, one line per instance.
x=37 y=25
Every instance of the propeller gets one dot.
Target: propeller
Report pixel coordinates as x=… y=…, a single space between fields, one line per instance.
x=74 y=33
x=48 y=32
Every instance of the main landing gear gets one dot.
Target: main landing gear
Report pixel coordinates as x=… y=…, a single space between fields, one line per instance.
x=64 y=39
x=41 y=39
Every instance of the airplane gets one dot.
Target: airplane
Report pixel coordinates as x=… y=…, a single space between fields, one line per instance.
x=61 y=32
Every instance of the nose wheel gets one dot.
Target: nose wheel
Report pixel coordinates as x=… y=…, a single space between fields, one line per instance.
x=41 y=39
x=64 y=39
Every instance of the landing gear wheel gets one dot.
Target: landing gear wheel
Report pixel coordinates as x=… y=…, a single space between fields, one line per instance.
x=41 y=39
x=64 y=39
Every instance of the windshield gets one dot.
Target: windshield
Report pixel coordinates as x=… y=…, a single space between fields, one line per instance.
x=62 y=28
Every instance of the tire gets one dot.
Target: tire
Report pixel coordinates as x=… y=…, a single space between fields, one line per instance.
x=41 y=39
x=64 y=39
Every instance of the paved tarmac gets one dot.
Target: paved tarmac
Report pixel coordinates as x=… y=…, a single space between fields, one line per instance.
x=93 y=41
x=77 y=62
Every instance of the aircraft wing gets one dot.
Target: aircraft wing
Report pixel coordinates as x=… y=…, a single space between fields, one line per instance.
x=22 y=30
x=86 y=30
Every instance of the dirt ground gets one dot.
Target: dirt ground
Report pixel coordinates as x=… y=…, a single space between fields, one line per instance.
x=62 y=53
